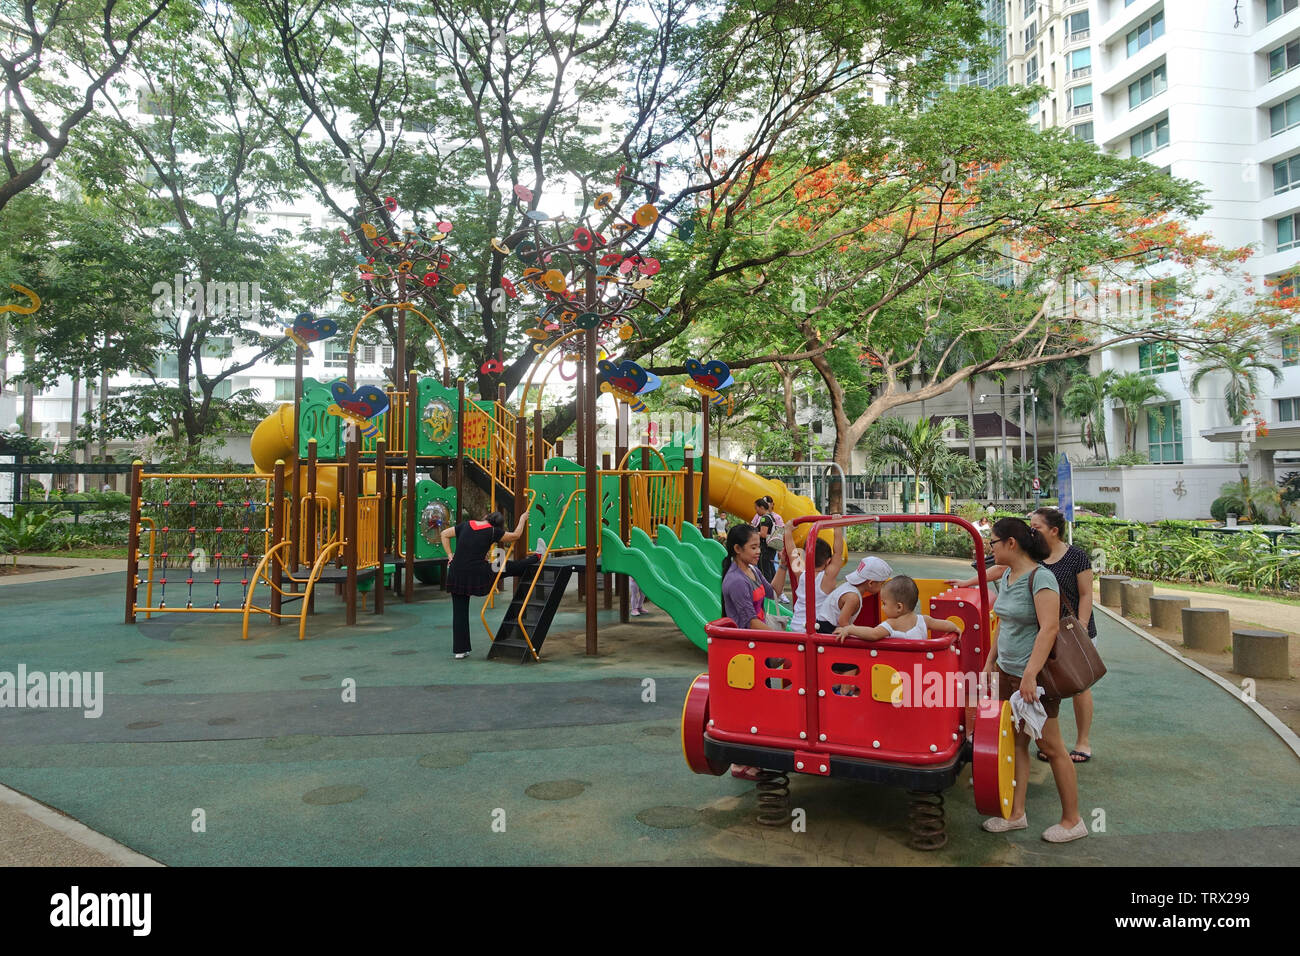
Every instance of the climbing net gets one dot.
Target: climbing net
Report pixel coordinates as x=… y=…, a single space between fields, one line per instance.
x=196 y=531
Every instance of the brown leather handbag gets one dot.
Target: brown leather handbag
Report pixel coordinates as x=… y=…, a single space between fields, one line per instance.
x=1074 y=664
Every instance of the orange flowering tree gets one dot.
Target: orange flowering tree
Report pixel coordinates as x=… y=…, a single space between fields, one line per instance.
x=953 y=241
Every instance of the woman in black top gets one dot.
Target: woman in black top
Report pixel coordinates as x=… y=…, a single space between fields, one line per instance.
x=1073 y=571
x=469 y=574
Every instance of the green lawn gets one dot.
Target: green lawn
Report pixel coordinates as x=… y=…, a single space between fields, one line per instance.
x=108 y=552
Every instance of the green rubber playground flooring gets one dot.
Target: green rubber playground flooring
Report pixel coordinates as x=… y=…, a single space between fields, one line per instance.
x=477 y=762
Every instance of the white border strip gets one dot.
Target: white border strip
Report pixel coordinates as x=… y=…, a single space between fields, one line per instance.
x=74 y=830
x=1263 y=713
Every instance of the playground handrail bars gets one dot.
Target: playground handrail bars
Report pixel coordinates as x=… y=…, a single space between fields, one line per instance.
x=519 y=621
x=821 y=522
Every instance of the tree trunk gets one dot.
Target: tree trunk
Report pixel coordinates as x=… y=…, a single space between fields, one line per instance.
x=79 y=480
x=970 y=414
x=103 y=409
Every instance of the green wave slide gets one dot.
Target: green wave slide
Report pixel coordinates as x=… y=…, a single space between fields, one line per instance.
x=682 y=576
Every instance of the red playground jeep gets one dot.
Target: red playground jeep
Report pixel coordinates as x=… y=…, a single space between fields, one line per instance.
x=896 y=711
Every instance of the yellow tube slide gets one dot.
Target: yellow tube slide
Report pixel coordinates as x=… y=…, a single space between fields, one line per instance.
x=273 y=441
x=734 y=490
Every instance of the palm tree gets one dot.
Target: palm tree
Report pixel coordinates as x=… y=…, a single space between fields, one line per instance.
x=1132 y=390
x=1240 y=364
x=1085 y=400
x=1054 y=380
x=921 y=447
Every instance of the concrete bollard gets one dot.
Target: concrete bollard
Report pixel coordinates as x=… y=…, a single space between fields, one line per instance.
x=1206 y=629
x=1260 y=653
x=1165 y=612
x=1135 y=596
x=1111 y=585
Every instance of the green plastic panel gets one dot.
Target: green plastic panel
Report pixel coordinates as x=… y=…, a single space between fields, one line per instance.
x=438 y=408
x=553 y=490
x=434 y=507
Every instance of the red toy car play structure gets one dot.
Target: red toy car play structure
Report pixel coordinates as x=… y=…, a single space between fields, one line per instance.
x=896 y=711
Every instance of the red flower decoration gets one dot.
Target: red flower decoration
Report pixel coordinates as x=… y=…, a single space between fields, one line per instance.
x=610 y=259
x=509 y=287
x=583 y=239
x=432 y=278
x=390 y=203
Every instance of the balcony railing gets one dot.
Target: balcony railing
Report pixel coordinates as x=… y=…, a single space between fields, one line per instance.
x=1081 y=73
x=1078 y=36
x=1083 y=110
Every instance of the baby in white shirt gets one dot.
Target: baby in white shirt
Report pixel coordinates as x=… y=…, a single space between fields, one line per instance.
x=898 y=599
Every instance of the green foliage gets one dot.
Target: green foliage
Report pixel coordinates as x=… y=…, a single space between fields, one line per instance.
x=1131 y=458
x=1132 y=391
x=1243 y=559
x=1220 y=508
x=29 y=529
x=1240 y=364
x=1106 y=508
x=902 y=540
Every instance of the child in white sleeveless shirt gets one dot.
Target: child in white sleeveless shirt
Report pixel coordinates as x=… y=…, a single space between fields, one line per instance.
x=898 y=599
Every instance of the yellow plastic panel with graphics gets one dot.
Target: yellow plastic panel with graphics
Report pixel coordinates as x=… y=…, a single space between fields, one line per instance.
x=740 y=671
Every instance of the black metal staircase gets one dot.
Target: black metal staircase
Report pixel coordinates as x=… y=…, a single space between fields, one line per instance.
x=552 y=582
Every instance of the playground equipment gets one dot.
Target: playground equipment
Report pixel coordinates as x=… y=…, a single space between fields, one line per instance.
x=354 y=479
x=894 y=711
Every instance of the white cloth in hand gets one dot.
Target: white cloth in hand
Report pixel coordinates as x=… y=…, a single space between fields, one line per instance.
x=1026 y=717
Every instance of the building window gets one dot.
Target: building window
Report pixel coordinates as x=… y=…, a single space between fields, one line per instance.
x=1284 y=116
x=1031 y=71
x=1029 y=6
x=1157 y=357
x=1147 y=86
x=1081 y=63
x=1288 y=409
x=1145 y=33
x=222 y=389
x=1286 y=174
x=1284 y=58
x=1165 y=434
x=284 y=390
x=1080 y=100
x=1083 y=131
x=1076 y=26
x=1286 y=231
x=336 y=354
x=1278 y=7
x=151 y=104
x=1149 y=140
x=167 y=366
x=1291 y=349
x=1031 y=33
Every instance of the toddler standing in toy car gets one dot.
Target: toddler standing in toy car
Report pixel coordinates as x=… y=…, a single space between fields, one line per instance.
x=898 y=599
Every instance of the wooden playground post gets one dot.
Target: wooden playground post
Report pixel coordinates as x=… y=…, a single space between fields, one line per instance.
x=407 y=547
x=381 y=477
x=309 y=532
x=539 y=451
x=295 y=519
x=520 y=490
x=688 y=490
x=277 y=535
x=588 y=379
x=350 y=494
x=609 y=578
x=460 y=450
x=133 y=542
x=704 y=474
x=624 y=486
x=352 y=370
